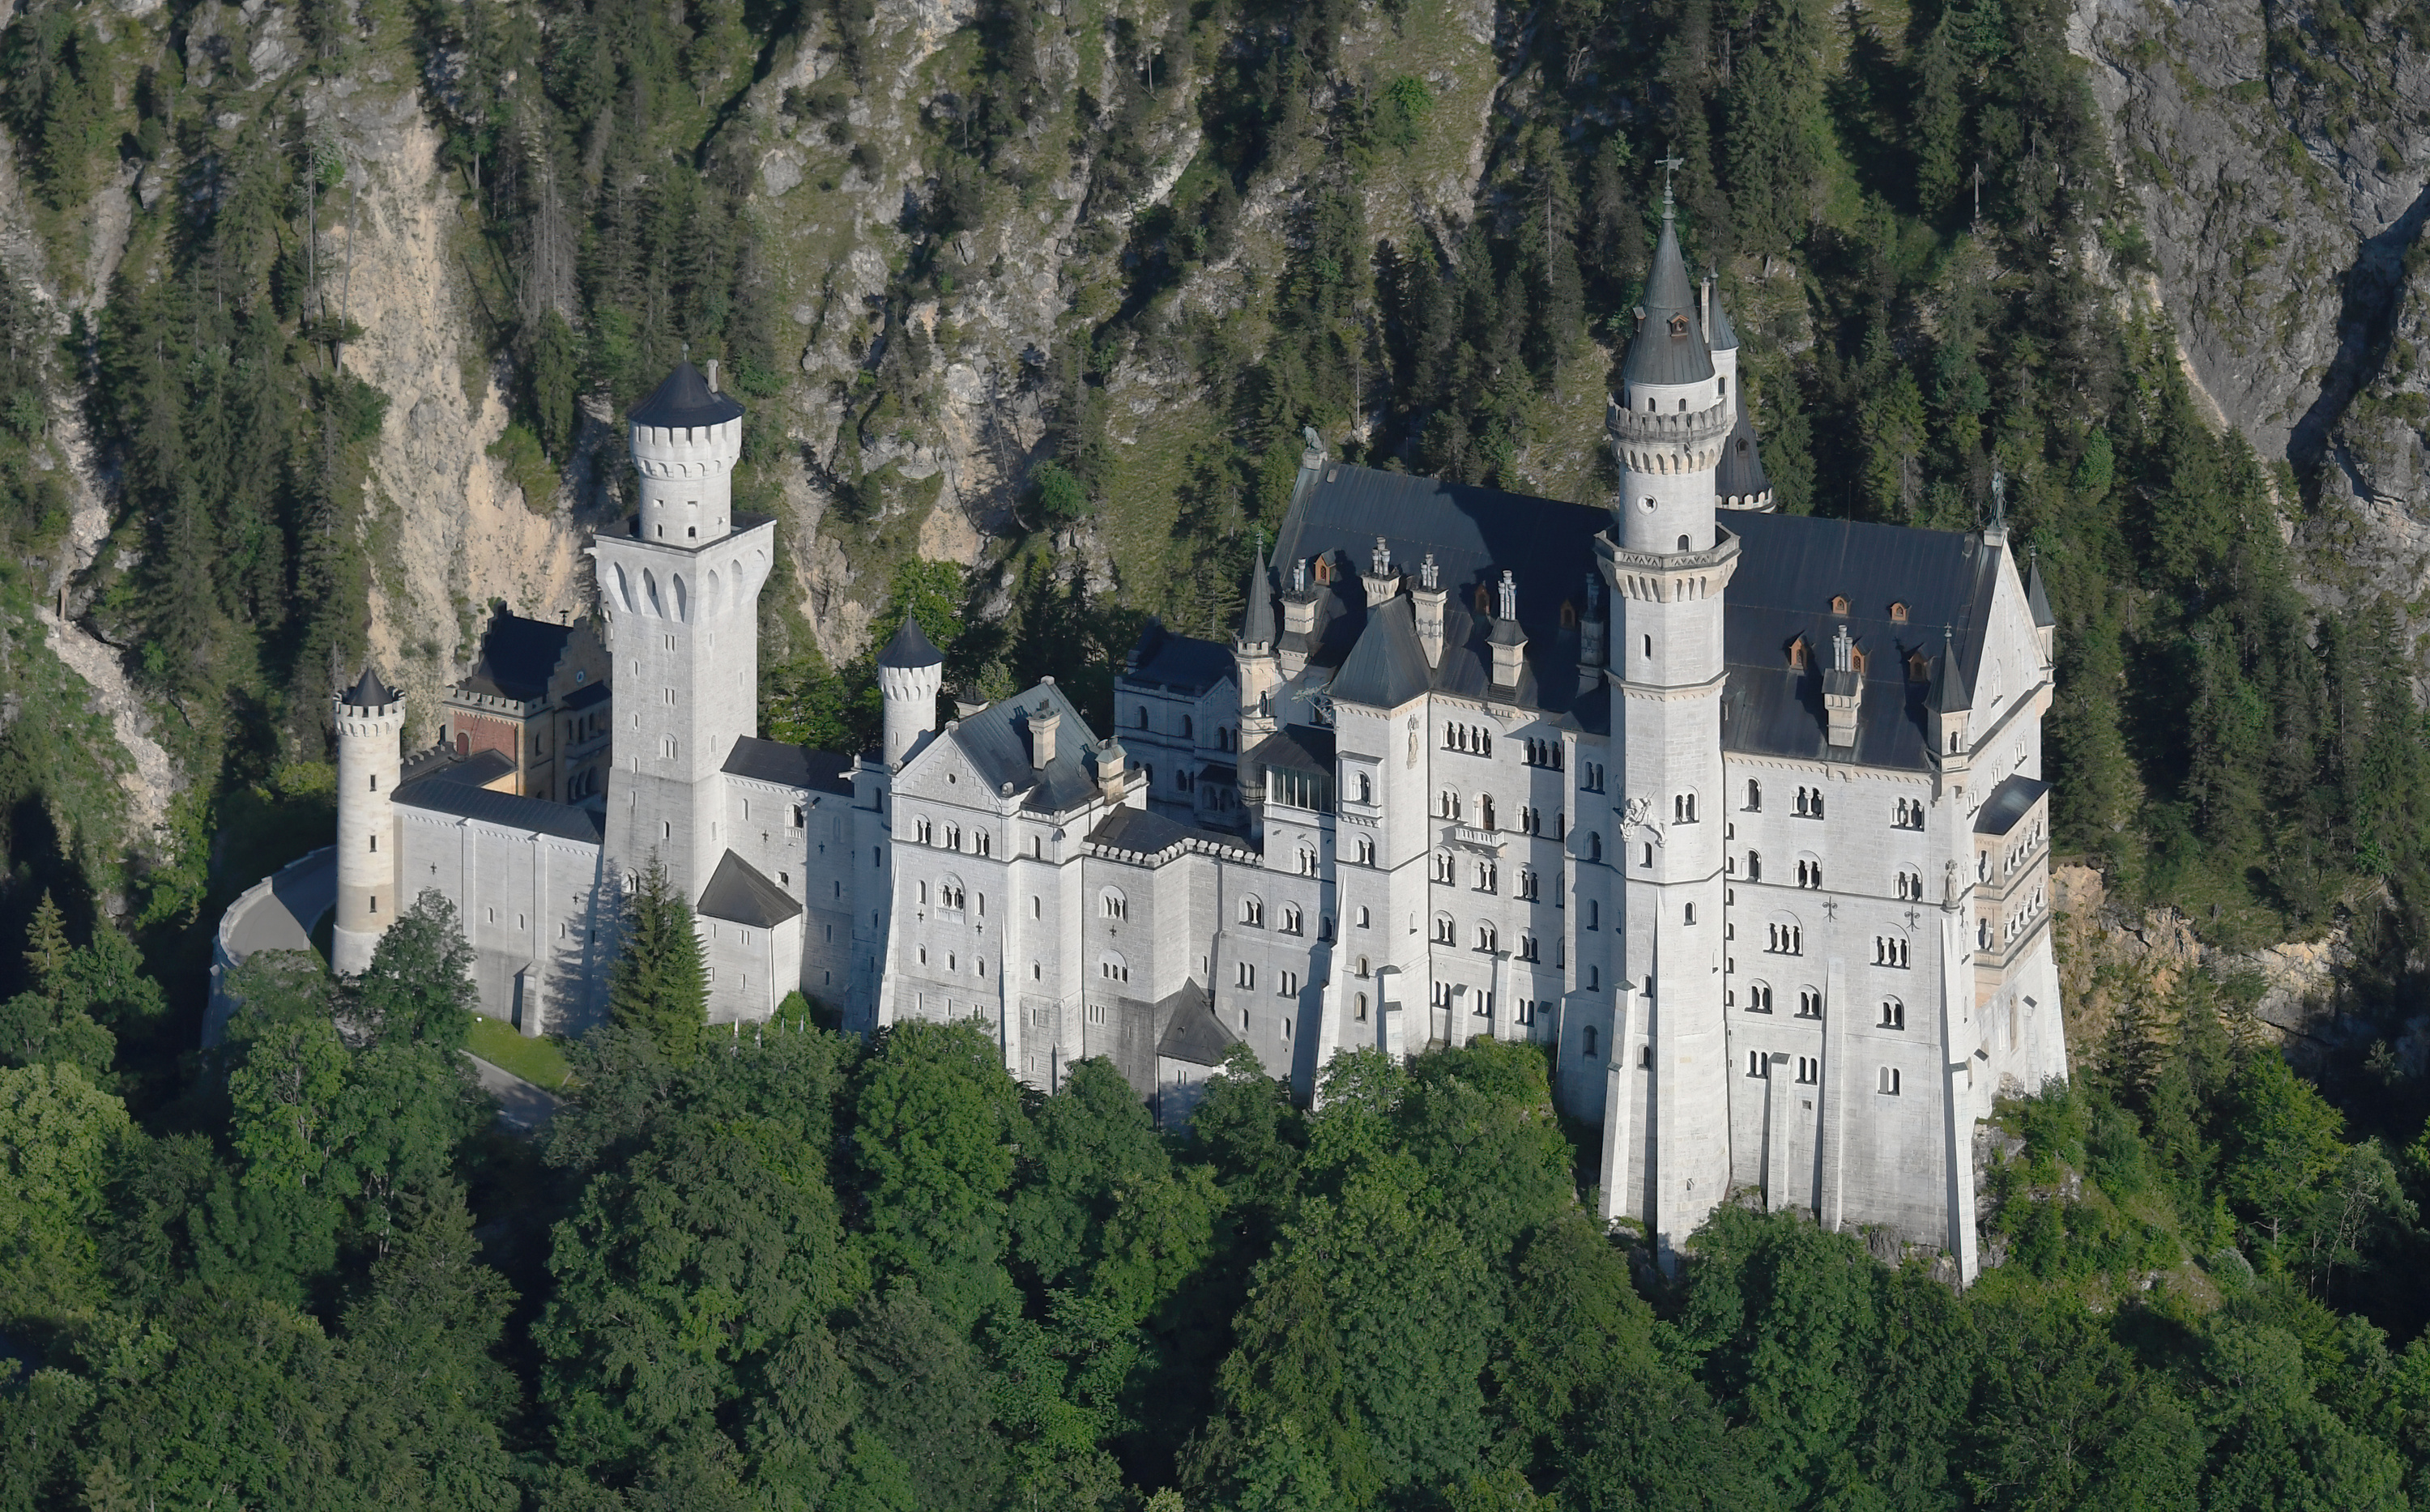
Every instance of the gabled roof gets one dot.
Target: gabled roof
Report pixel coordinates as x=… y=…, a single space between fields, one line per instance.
x=995 y=743
x=1789 y=567
x=1474 y=535
x=517 y=656
x=1180 y=662
x=910 y=647
x=436 y=794
x=790 y=766
x=739 y=894
x=1669 y=346
x=685 y=399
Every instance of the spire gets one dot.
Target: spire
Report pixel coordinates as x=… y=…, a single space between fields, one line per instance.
x=1258 y=626
x=1950 y=694
x=1739 y=481
x=1668 y=347
x=2037 y=597
x=1719 y=333
x=368 y=691
x=910 y=647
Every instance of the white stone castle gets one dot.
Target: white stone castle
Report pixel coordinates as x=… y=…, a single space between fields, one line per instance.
x=1738 y=814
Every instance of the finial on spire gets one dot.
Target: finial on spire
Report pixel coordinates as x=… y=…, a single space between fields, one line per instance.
x=1668 y=165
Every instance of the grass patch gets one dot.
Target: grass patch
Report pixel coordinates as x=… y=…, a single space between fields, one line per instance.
x=541 y=1062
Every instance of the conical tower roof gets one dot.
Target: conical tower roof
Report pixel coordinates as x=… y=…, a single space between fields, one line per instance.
x=2037 y=597
x=685 y=399
x=1741 y=475
x=1257 y=625
x=909 y=647
x=368 y=691
x=1669 y=345
x=1950 y=693
x=1719 y=333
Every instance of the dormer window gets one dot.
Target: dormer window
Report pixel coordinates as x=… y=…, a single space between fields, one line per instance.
x=1797 y=654
x=1918 y=669
x=1484 y=600
x=1898 y=614
x=1839 y=605
x=1678 y=324
x=1569 y=615
x=1857 y=661
x=1324 y=569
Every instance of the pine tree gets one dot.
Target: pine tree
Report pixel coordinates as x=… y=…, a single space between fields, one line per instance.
x=46 y=945
x=660 y=985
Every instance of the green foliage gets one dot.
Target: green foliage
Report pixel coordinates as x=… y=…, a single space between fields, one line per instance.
x=59 y=1135
x=290 y=1067
x=658 y=986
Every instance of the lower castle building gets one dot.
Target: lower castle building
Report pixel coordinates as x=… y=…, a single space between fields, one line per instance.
x=1738 y=814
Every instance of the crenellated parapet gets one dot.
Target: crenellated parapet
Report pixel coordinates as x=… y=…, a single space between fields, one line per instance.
x=1668 y=444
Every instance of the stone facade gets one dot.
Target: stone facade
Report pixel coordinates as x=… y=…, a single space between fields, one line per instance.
x=1737 y=815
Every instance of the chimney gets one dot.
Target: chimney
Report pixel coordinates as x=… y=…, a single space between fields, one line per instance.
x=1111 y=761
x=1843 y=690
x=712 y=374
x=1044 y=721
x=1299 y=620
x=1381 y=582
x=1428 y=597
x=1507 y=641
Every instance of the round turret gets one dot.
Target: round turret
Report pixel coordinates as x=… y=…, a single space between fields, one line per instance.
x=369 y=718
x=910 y=672
x=686 y=438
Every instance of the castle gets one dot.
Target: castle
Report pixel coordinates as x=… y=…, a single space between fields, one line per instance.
x=1737 y=812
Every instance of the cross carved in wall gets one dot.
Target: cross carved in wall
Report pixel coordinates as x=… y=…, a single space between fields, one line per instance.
x=1911 y=917
x=1831 y=908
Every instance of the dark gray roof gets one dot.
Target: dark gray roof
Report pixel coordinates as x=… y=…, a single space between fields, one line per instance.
x=1150 y=839
x=685 y=399
x=1183 y=663
x=2010 y=802
x=1951 y=690
x=909 y=647
x=739 y=894
x=586 y=695
x=1257 y=620
x=1388 y=667
x=2037 y=597
x=790 y=766
x=438 y=795
x=995 y=742
x=1474 y=535
x=1296 y=748
x=517 y=656
x=1196 y=1034
x=478 y=770
x=1790 y=567
x=369 y=691
x=1741 y=475
x=1668 y=350
x=1722 y=337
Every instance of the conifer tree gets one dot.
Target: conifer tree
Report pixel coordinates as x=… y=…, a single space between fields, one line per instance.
x=46 y=945
x=660 y=985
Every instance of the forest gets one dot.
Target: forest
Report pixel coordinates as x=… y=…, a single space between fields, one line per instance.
x=789 y=1267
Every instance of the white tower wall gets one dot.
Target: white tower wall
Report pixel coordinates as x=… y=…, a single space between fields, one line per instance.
x=687 y=480
x=911 y=694
x=369 y=738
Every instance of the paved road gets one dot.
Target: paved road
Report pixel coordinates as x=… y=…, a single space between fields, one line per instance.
x=520 y=1106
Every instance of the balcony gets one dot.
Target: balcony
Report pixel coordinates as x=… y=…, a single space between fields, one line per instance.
x=1468 y=837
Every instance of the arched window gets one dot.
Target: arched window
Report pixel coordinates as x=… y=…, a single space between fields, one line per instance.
x=1810 y=870
x=1291 y=919
x=1893 y=1014
x=1890 y=950
x=1595 y=846
x=1112 y=904
x=1784 y=936
x=1484 y=811
x=1366 y=789
x=949 y=893
x=1186 y=733
x=1306 y=861
x=1810 y=1003
x=1364 y=917
x=1758 y=997
x=1754 y=796
x=1754 y=866
x=1253 y=911
x=1362 y=1007
x=1587 y=1045
x=1113 y=968
x=1486 y=935
x=1363 y=967
x=1446 y=933
x=1683 y=808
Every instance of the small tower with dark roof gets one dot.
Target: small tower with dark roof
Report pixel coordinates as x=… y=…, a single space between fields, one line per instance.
x=370 y=719
x=686 y=438
x=909 y=671
x=1950 y=703
x=1256 y=668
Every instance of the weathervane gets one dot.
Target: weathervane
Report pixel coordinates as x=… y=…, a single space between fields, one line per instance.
x=1669 y=166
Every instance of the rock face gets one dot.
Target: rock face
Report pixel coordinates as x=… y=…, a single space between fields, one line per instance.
x=2286 y=210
